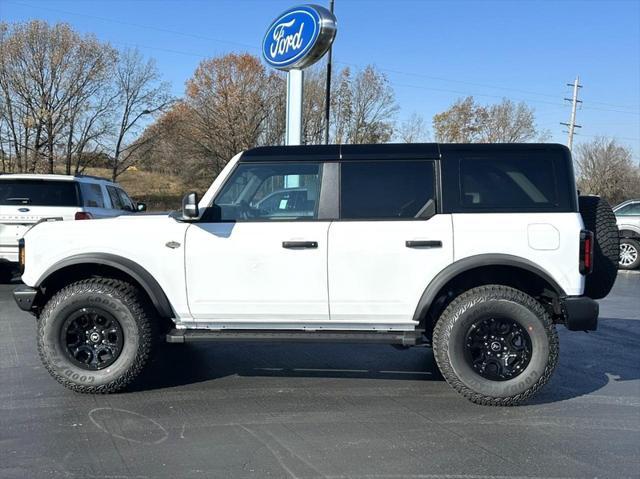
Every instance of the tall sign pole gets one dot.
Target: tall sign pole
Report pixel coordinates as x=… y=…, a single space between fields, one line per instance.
x=327 y=98
x=296 y=39
x=295 y=93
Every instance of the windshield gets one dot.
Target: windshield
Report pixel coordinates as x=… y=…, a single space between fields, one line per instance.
x=38 y=193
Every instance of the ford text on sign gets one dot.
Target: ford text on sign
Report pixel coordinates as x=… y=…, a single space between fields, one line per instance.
x=298 y=37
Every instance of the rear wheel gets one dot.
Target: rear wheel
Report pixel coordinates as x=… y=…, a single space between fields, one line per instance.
x=96 y=336
x=629 y=253
x=495 y=345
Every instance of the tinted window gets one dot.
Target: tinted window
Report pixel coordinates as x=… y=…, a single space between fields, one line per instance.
x=126 y=202
x=271 y=191
x=385 y=189
x=116 y=202
x=38 y=193
x=507 y=183
x=92 y=195
x=629 y=210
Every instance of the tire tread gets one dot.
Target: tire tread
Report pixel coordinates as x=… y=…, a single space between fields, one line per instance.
x=462 y=303
x=140 y=311
x=598 y=218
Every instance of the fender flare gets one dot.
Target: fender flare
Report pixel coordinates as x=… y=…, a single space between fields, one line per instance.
x=471 y=262
x=134 y=270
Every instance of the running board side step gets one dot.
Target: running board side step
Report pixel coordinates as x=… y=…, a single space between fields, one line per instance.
x=404 y=338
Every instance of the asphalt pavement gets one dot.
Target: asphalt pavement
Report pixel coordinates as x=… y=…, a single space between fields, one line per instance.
x=337 y=411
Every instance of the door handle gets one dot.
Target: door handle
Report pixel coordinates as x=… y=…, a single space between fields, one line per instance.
x=299 y=244
x=423 y=244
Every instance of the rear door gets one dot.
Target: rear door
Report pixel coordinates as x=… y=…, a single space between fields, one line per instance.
x=386 y=247
x=94 y=200
x=23 y=202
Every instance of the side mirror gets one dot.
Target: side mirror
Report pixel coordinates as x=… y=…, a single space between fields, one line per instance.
x=140 y=207
x=190 y=206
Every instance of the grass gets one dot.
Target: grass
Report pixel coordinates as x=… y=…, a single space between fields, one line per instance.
x=161 y=192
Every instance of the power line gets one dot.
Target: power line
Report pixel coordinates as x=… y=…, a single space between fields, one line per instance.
x=131 y=24
x=389 y=70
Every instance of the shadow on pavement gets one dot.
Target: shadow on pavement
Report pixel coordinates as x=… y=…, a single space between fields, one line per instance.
x=588 y=362
x=182 y=364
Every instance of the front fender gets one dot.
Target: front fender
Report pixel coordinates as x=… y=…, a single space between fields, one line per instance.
x=130 y=268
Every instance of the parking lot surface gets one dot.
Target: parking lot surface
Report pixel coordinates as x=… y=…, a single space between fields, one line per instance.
x=337 y=411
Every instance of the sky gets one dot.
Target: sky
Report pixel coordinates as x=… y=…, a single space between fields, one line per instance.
x=432 y=52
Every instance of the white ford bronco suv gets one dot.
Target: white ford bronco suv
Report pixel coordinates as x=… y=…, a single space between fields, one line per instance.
x=477 y=250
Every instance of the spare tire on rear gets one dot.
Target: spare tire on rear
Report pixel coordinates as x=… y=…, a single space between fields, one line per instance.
x=598 y=218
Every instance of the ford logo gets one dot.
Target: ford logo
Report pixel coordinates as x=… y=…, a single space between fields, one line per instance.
x=23 y=210
x=299 y=37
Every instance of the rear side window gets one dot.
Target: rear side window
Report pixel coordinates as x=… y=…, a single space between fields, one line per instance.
x=629 y=210
x=92 y=195
x=388 y=189
x=38 y=193
x=496 y=183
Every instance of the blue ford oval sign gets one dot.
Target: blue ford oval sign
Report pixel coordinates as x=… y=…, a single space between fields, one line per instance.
x=299 y=37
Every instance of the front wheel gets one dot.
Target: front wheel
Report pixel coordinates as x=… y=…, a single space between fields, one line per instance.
x=629 y=253
x=96 y=335
x=495 y=345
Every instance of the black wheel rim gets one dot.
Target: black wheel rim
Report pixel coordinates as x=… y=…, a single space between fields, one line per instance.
x=92 y=338
x=498 y=349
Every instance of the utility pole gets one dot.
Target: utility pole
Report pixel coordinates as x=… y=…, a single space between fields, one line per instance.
x=327 y=98
x=574 y=104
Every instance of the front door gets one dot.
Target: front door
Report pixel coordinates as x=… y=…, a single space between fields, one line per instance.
x=262 y=261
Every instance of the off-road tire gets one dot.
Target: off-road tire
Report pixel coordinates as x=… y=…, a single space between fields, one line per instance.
x=598 y=218
x=124 y=302
x=449 y=343
x=635 y=244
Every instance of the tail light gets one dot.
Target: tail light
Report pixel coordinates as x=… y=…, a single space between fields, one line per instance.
x=21 y=255
x=83 y=215
x=586 y=252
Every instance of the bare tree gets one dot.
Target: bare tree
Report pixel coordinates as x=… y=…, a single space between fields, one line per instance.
x=49 y=76
x=469 y=122
x=233 y=103
x=140 y=92
x=373 y=108
x=508 y=122
x=341 y=107
x=461 y=123
x=313 y=119
x=413 y=129
x=605 y=168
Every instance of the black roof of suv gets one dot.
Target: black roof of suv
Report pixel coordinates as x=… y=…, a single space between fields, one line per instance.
x=389 y=151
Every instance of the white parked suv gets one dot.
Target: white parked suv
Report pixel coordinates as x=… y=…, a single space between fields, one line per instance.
x=477 y=250
x=26 y=199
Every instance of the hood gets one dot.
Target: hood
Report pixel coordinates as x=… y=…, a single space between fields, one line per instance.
x=124 y=225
